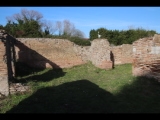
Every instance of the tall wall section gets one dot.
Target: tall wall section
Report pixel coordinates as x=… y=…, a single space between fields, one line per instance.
x=4 y=86
x=146 y=57
x=98 y=53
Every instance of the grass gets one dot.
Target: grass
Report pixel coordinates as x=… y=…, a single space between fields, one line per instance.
x=85 y=89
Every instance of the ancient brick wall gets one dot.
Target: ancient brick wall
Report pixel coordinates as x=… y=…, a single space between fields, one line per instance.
x=4 y=87
x=61 y=53
x=122 y=54
x=47 y=53
x=146 y=57
x=3 y=71
x=7 y=62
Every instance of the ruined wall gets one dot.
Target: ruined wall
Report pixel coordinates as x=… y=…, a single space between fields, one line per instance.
x=98 y=53
x=122 y=54
x=146 y=57
x=4 y=87
x=47 y=53
x=61 y=53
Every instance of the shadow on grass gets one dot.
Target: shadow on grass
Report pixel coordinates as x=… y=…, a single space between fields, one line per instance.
x=27 y=73
x=142 y=96
x=83 y=96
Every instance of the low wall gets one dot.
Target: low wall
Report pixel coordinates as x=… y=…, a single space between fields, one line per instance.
x=62 y=53
x=47 y=53
x=122 y=54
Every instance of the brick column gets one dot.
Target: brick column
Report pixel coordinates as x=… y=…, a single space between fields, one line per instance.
x=4 y=86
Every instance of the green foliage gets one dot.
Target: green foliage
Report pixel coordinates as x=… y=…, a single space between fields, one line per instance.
x=32 y=29
x=102 y=32
x=11 y=28
x=24 y=29
x=1 y=26
x=76 y=40
x=25 y=24
x=46 y=32
x=80 y=41
x=118 y=37
x=93 y=34
x=28 y=24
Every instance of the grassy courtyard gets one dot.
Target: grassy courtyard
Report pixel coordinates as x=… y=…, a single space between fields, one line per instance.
x=84 y=89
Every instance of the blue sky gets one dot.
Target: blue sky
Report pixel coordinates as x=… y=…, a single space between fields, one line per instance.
x=88 y=18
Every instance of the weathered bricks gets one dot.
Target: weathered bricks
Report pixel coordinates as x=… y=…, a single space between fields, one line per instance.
x=146 y=57
x=4 y=87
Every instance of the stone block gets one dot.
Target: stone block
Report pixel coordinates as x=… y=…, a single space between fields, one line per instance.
x=4 y=86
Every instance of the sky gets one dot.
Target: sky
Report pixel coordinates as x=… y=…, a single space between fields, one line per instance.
x=87 y=18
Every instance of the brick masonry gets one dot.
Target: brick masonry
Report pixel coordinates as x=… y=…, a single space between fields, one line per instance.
x=4 y=87
x=146 y=57
x=47 y=53
x=122 y=54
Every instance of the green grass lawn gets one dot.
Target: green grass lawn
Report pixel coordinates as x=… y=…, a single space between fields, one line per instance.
x=85 y=89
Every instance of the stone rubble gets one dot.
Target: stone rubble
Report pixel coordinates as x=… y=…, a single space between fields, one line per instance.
x=18 y=88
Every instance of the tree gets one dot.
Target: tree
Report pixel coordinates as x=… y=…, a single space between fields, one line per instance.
x=29 y=23
x=1 y=27
x=68 y=28
x=30 y=15
x=59 y=27
x=26 y=23
x=93 y=34
x=102 y=32
x=49 y=27
x=77 y=33
x=11 y=28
